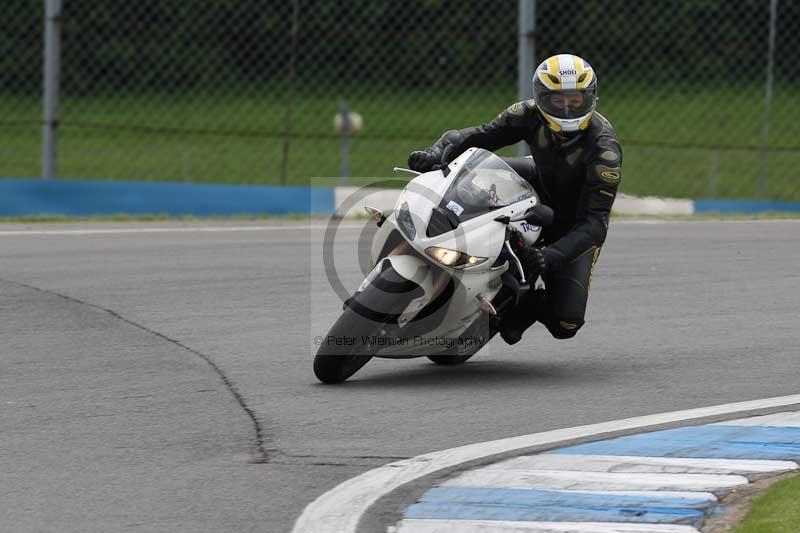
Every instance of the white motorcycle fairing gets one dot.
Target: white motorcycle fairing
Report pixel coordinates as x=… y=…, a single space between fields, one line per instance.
x=481 y=237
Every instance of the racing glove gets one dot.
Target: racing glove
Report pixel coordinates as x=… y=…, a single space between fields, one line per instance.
x=534 y=261
x=424 y=160
x=441 y=154
x=537 y=261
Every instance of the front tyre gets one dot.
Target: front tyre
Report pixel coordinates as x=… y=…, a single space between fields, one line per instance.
x=334 y=362
x=349 y=344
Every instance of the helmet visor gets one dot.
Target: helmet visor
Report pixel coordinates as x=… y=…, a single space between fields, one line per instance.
x=567 y=104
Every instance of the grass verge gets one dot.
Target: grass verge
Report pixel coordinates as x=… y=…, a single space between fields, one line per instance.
x=706 y=146
x=776 y=511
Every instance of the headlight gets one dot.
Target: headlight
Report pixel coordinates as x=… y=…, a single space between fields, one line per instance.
x=444 y=256
x=453 y=258
x=405 y=223
x=472 y=260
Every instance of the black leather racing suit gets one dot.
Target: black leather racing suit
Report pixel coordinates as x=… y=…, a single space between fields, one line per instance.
x=576 y=176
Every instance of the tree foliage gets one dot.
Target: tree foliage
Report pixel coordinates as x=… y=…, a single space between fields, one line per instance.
x=176 y=44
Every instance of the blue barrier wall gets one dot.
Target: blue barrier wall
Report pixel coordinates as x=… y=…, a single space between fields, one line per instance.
x=21 y=197
x=25 y=197
x=743 y=206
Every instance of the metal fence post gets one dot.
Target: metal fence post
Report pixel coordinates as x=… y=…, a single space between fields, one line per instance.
x=290 y=83
x=773 y=20
x=50 y=89
x=526 y=56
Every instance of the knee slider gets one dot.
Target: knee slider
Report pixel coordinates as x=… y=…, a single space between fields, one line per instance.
x=566 y=329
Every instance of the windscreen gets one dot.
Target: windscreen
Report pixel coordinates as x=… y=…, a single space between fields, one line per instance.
x=483 y=184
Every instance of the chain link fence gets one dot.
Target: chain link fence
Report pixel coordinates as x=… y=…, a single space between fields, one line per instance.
x=246 y=91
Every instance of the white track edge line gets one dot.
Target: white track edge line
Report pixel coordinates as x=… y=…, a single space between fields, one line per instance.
x=216 y=229
x=341 y=508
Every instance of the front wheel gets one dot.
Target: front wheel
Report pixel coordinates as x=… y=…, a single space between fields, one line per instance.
x=351 y=342
x=338 y=359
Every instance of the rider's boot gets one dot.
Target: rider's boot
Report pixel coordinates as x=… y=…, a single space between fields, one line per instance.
x=523 y=316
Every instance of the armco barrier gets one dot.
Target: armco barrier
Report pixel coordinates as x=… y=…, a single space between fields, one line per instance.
x=24 y=197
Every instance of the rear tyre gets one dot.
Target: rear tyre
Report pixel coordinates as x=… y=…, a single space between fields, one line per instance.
x=472 y=340
x=450 y=359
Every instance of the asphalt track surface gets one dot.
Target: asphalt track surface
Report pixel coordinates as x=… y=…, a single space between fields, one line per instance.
x=162 y=381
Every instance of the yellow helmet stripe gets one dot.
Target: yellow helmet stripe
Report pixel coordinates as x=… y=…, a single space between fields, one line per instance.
x=578 y=64
x=552 y=70
x=587 y=80
x=545 y=78
x=552 y=65
x=555 y=126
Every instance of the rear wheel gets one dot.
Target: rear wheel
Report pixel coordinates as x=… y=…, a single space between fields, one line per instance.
x=450 y=359
x=467 y=344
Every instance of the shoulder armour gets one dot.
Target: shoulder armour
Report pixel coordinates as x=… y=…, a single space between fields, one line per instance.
x=521 y=108
x=520 y=114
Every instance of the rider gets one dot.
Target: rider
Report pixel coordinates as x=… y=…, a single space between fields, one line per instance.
x=575 y=168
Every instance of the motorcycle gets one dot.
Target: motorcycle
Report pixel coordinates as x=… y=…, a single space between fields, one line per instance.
x=444 y=268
